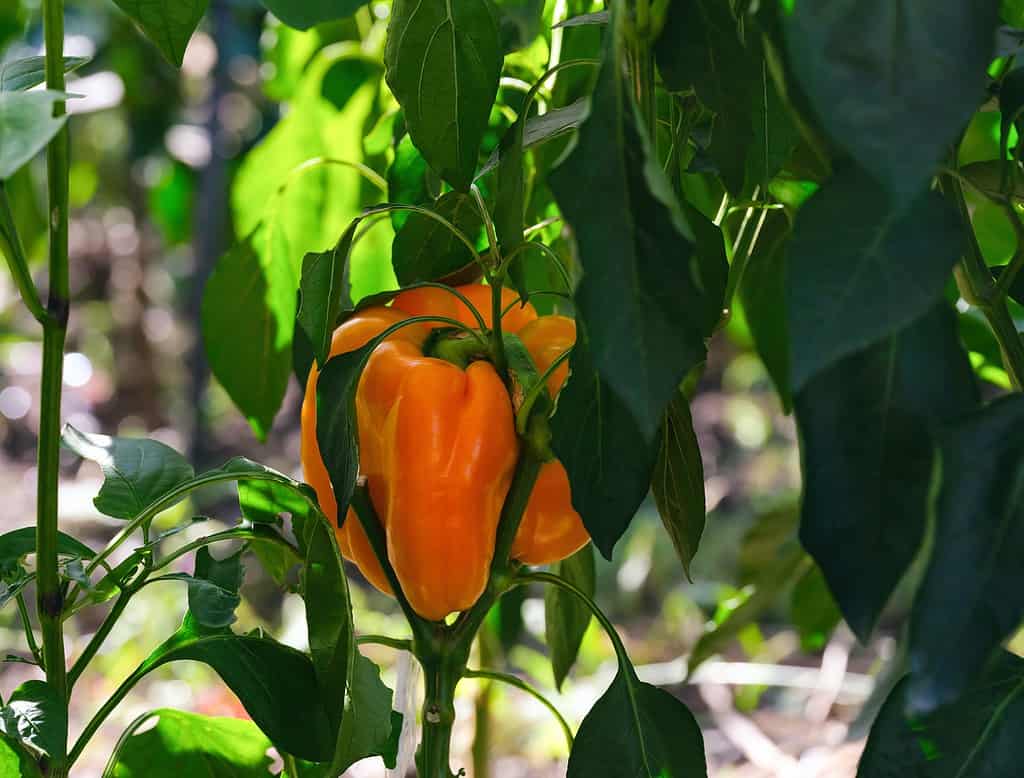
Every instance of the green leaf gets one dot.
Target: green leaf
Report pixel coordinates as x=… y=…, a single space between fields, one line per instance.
x=136 y=471
x=510 y=200
x=276 y=684
x=183 y=744
x=700 y=47
x=606 y=455
x=775 y=134
x=359 y=704
x=540 y=129
x=519 y=23
x=18 y=543
x=27 y=125
x=566 y=618
x=813 y=610
x=213 y=590
x=678 y=484
x=322 y=293
x=868 y=458
x=1016 y=289
x=262 y=502
x=1012 y=12
x=763 y=294
x=253 y=283
x=426 y=250
x=15 y=761
x=641 y=297
x=658 y=738
x=36 y=717
x=303 y=14
x=858 y=272
x=893 y=81
x=23 y=74
x=971 y=598
x=978 y=736
x=580 y=20
x=443 y=64
x=169 y=24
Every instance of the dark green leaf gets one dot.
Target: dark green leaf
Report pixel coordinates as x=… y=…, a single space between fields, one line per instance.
x=678 y=484
x=971 y=598
x=607 y=457
x=27 y=124
x=775 y=134
x=858 y=272
x=641 y=295
x=188 y=744
x=636 y=729
x=323 y=291
x=868 y=458
x=370 y=727
x=597 y=17
x=813 y=610
x=256 y=287
x=763 y=294
x=36 y=717
x=566 y=618
x=893 y=81
x=169 y=24
x=136 y=471
x=17 y=543
x=1016 y=289
x=510 y=200
x=979 y=736
x=276 y=684
x=539 y=129
x=700 y=47
x=213 y=590
x=519 y=22
x=426 y=250
x=443 y=64
x=303 y=14
x=22 y=74
x=1012 y=12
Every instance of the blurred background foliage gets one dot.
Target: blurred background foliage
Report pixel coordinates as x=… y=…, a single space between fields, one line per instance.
x=171 y=168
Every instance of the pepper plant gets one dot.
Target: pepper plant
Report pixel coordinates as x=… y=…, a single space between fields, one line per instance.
x=838 y=179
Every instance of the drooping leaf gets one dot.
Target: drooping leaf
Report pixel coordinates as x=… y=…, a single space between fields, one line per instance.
x=700 y=47
x=868 y=458
x=169 y=24
x=580 y=20
x=424 y=249
x=36 y=717
x=303 y=14
x=978 y=736
x=678 y=484
x=893 y=81
x=276 y=684
x=22 y=74
x=322 y=289
x=27 y=125
x=191 y=744
x=136 y=471
x=540 y=129
x=565 y=618
x=606 y=455
x=252 y=283
x=857 y=271
x=971 y=598
x=763 y=294
x=213 y=590
x=636 y=729
x=640 y=297
x=369 y=727
x=443 y=64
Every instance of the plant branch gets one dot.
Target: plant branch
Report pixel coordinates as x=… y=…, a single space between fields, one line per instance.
x=17 y=261
x=101 y=635
x=974 y=280
x=519 y=683
x=399 y=644
x=48 y=585
x=30 y=636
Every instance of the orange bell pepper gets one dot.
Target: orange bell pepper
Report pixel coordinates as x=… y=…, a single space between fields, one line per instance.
x=438 y=449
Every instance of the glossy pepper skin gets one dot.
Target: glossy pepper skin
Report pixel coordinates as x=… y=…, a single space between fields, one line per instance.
x=438 y=449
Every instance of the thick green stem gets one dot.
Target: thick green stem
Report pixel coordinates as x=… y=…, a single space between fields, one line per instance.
x=49 y=594
x=441 y=676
